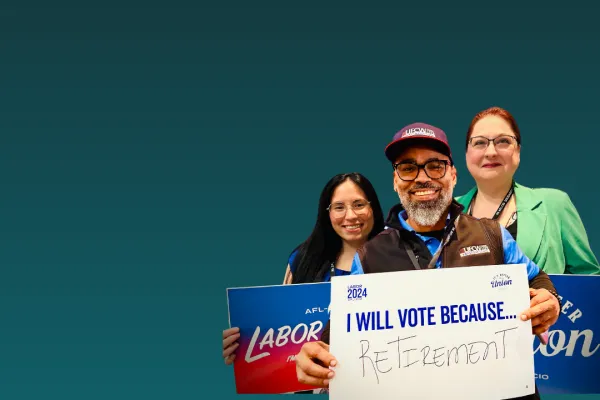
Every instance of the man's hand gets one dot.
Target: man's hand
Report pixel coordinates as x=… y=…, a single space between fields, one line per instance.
x=312 y=364
x=543 y=310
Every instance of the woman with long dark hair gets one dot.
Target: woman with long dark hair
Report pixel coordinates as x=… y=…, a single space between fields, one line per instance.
x=349 y=214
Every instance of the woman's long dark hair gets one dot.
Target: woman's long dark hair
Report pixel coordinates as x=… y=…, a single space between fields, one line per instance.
x=323 y=246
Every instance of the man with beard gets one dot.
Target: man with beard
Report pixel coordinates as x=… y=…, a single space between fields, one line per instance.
x=428 y=230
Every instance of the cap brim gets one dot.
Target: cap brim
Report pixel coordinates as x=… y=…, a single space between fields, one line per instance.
x=395 y=148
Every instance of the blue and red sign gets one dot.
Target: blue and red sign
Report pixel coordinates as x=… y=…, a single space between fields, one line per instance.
x=274 y=322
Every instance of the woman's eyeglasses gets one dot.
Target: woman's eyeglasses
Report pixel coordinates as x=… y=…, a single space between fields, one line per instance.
x=502 y=142
x=340 y=209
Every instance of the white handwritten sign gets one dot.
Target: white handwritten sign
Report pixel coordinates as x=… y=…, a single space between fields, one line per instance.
x=431 y=334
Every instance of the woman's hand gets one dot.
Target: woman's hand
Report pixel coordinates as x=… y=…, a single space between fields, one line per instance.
x=230 y=344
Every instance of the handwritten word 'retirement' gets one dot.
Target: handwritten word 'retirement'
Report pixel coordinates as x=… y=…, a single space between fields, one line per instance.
x=405 y=353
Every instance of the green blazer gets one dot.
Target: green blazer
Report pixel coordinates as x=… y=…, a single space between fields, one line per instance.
x=550 y=231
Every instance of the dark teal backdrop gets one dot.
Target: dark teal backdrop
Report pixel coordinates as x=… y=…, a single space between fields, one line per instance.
x=152 y=155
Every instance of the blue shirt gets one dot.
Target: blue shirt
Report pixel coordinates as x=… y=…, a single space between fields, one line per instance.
x=338 y=272
x=512 y=252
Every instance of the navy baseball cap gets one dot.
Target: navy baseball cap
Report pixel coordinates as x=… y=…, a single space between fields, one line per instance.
x=416 y=134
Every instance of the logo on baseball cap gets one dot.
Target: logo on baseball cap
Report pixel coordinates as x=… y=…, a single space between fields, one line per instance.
x=415 y=134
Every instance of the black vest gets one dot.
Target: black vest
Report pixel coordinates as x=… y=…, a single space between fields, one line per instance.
x=473 y=242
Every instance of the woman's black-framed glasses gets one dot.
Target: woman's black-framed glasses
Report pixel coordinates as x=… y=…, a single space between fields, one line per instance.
x=339 y=209
x=409 y=170
x=502 y=142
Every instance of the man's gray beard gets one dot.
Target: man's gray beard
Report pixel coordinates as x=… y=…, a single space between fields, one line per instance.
x=426 y=213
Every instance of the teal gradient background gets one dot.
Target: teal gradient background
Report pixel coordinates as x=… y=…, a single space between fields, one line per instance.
x=154 y=154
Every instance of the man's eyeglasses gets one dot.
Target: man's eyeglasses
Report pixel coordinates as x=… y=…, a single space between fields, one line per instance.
x=408 y=170
x=339 y=209
x=502 y=142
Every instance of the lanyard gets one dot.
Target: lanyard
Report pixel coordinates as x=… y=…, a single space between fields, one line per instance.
x=445 y=240
x=332 y=274
x=443 y=244
x=502 y=204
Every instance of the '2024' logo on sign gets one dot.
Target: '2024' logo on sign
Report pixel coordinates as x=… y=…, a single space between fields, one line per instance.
x=356 y=292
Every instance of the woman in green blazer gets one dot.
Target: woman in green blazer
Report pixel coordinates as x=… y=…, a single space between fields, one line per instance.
x=544 y=222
